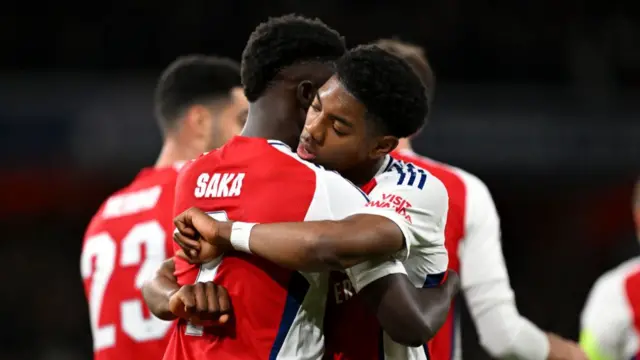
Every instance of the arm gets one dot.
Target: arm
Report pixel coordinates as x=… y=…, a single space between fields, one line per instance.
x=158 y=290
x=503 y=332
x=410 y=313
x=322 y=245
x=411 y=316
x=200 y=302
x=396 y=218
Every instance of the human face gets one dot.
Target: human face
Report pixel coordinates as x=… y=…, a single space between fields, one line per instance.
x=336 y=134
x=229 y=121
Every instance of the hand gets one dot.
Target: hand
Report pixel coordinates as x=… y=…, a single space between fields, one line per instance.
x=562 y=349
x=202 y=303
x=452 y=282
x=197 y=234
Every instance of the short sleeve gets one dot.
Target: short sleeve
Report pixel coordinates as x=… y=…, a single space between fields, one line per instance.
x=605 y=318
x=419 y=210
x=342 y=197
x=369 y=271
x=345 y=199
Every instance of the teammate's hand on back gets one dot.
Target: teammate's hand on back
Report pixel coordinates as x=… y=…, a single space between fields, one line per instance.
x=202 y=303
x=562 y=349
x=197 y=235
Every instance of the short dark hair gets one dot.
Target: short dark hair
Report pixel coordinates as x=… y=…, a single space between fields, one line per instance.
x=415 y=56
x=393 y=95
x=284 y=41
x=192 y=79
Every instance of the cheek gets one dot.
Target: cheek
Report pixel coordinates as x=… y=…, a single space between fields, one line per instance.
x=347 y=154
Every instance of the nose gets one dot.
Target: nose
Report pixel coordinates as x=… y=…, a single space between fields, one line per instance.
x=316 y=129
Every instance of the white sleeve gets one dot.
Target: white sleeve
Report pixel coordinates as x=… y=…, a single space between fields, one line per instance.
x=605 y=319
x=344 y=199
x=419 y=211
x=502 y=330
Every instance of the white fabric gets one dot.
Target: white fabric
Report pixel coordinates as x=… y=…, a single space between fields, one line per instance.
x=503 y=332
x=417 y=202
x=240 y=234
x=608 y=316
x=421 y=214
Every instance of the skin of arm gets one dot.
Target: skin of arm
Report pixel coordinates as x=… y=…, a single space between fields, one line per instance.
x=158 y=290
x=322 y=245
x=410 y=316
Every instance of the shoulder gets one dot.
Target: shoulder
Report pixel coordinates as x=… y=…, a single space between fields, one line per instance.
x=470 y=200
x=416 y=183
x=408 y=186
x=455 y=179
x=451 y=177
x=333 y=197
x=327 y=178
x=609 y=289
x=477 y=192
x=608 y=284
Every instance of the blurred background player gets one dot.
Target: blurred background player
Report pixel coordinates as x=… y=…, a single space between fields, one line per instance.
x=199 y=105
x=610 y=323
x=473 y=243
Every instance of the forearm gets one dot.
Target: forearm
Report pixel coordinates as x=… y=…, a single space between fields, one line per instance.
x=410 y=316
x=503 y=332
x=323 y=245
x=157 y=291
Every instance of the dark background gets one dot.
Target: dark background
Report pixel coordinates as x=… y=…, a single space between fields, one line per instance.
x=539 y=99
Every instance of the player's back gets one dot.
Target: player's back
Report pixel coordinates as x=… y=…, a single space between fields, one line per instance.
x=610 y=321
x=125 y=242
x=277 y=313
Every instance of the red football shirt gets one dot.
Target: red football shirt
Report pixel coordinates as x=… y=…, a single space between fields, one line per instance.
x=125 y=243
x=277 y=312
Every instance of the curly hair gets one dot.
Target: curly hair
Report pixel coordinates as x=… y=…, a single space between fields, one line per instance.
x=284 y=41
x=192 y=79
x=386 y=85
x=414 y=55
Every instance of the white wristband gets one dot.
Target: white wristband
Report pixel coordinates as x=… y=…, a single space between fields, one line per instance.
x=240 y=233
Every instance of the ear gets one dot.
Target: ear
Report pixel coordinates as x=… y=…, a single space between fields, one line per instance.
x=197 y=118
x=305 y=93
x=384 y=145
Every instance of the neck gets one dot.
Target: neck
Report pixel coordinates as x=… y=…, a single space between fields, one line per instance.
x=269 y=119
x=361 y=175
x=173 y=152
x=404 y=144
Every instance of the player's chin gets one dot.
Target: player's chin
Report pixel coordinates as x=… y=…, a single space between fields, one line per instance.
x=325 y=161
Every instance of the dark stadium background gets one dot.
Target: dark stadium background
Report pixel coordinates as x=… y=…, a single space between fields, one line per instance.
x=540 y=99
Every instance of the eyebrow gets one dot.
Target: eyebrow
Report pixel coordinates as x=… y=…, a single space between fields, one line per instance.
x=335 y=117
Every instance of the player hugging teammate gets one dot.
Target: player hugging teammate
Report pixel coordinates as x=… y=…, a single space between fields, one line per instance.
x=277 y=255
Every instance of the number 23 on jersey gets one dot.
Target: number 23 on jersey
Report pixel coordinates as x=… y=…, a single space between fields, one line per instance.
x=101 y=259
